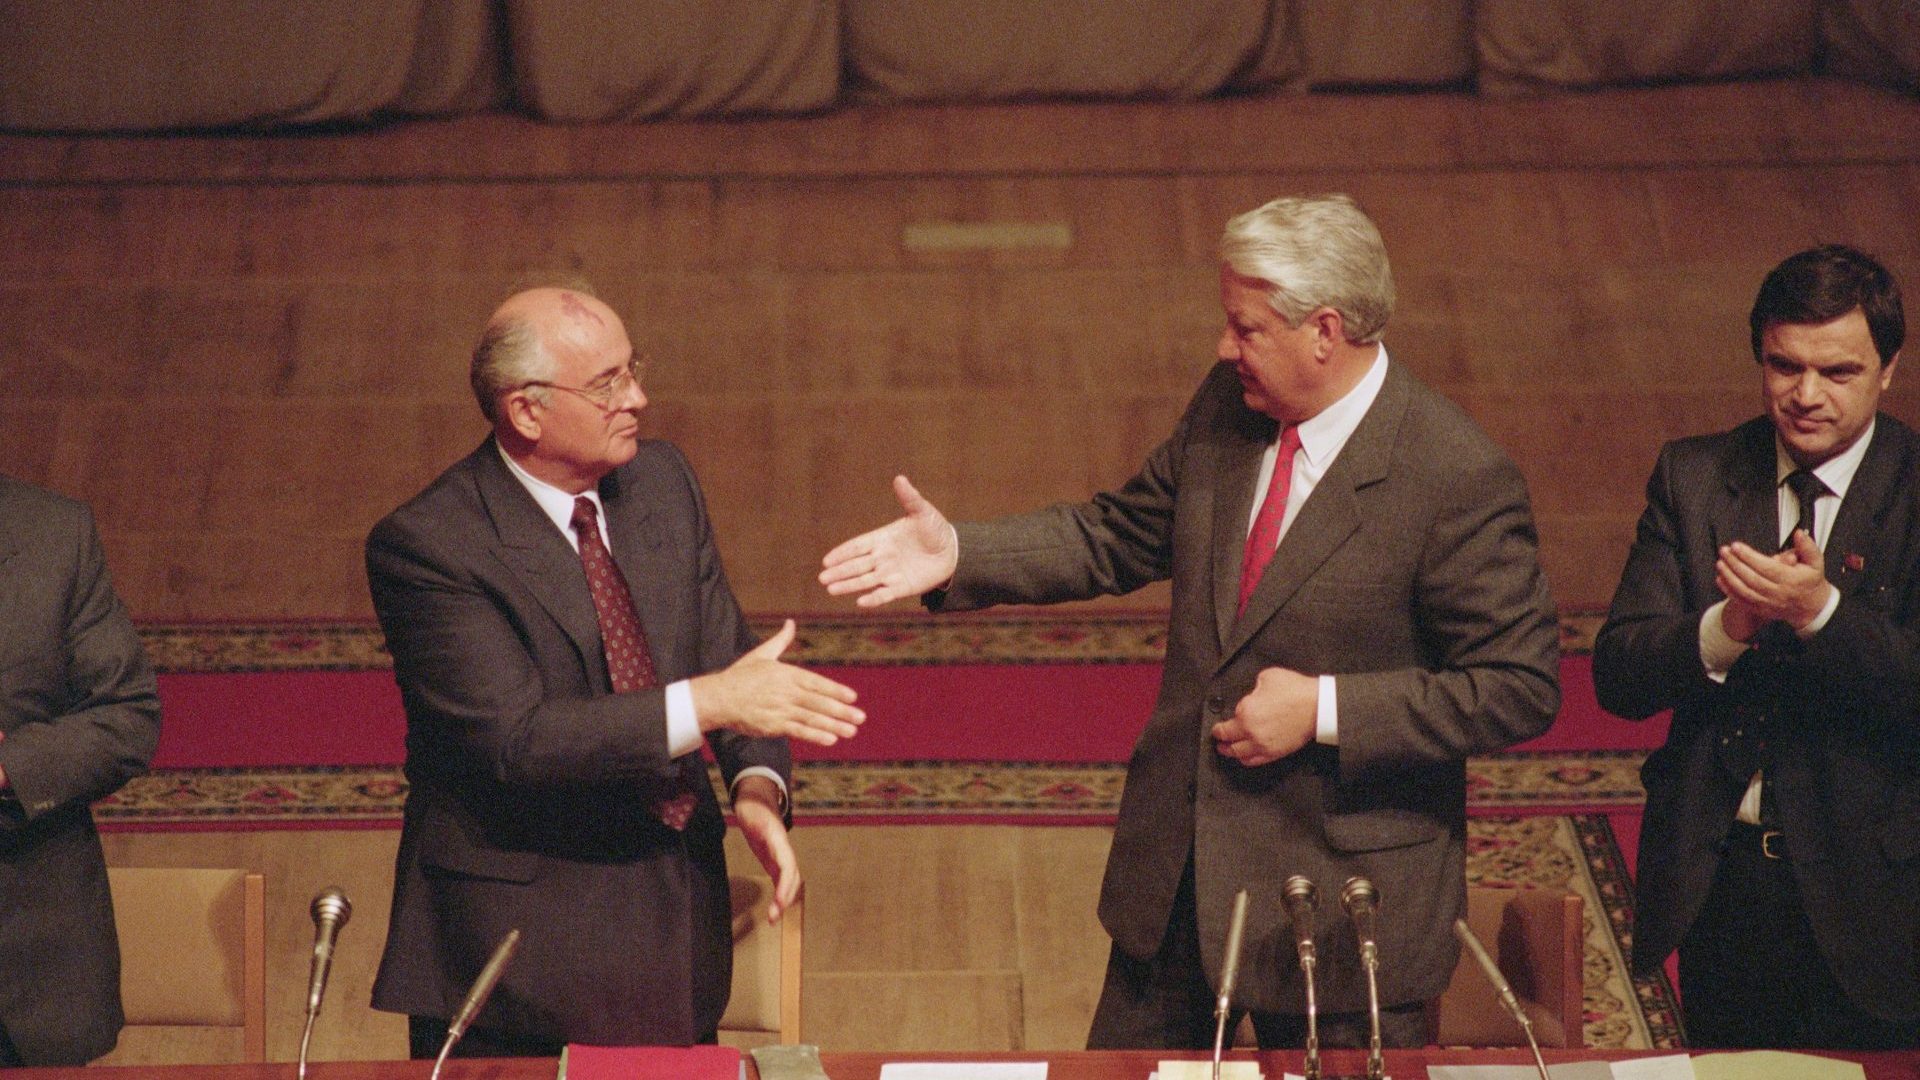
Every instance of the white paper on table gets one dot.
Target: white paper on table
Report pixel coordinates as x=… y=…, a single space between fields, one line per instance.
x=1565 y=1070
x=964 y=1070
x=1774 y=1065
x=1203 y=1070
x=1665 y=1067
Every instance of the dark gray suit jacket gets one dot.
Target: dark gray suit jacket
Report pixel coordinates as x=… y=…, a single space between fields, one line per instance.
x=81 y=716
x=532 y=783
x=1845 y=704
x=1410 y=574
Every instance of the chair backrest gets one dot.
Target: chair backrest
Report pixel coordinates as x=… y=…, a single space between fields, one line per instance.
x=1536 y=937
x=193 y=950
x=765 y=1006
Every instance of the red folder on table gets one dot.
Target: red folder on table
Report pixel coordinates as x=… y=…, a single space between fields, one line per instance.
x=581 y=1062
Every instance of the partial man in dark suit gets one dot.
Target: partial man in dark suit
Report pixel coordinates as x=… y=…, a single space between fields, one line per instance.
x=1772 y=601
x=1357 y=607
x=79 y=717
x=566 y=643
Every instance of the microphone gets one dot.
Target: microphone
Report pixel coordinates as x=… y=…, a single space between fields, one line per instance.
x=1507 y=998
x=1361 y=900
x=1300 y=896
x=1230 y=969
x=477 y=997
x=331 y=909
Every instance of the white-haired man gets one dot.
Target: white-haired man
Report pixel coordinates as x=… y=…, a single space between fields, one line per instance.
x=1357 y=607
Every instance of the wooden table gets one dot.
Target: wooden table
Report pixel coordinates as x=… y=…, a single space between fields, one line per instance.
x=1079 y=1065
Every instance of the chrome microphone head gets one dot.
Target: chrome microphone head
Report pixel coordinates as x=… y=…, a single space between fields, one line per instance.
x=1358 y=890
x=332 y=903
x=1298 y=888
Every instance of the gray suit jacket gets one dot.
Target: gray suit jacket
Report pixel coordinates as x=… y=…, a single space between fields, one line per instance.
x=81 y=717
x=532 y=783
x=1845 y=705
x=1410 y=574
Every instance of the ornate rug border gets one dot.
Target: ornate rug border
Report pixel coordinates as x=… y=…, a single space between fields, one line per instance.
x=869 y=641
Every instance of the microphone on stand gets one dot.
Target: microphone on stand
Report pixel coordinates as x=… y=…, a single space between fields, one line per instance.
x=477 y=997
x=1507 y=998
x=330 y=909
x=1361 y=900
x=1300 y=895
x=1236 y=929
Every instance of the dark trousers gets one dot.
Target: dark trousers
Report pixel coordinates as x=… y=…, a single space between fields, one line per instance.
x=1165 y=1003
x=1751 y=972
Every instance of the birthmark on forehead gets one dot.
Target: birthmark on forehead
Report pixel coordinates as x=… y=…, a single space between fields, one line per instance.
x=571 y=303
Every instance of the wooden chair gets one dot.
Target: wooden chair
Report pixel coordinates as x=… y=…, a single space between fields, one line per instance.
x=1536 y=938
x=193 y=954
x=765 y=1006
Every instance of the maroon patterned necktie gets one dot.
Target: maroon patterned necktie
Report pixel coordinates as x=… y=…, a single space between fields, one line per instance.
x=628 y=664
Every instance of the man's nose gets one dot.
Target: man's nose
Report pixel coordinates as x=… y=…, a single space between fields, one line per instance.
x=1228 y=348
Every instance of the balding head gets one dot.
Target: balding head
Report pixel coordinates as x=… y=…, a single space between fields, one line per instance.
x=525 y=332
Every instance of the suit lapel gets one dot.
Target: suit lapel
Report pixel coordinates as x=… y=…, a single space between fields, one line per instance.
x=1330 y=514
x=531 y=546
x=1851 y=547
x=636 y=552
x=1751 y=510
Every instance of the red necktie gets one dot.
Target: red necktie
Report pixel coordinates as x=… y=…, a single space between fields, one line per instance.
x=1265 y=535
x=628 y=664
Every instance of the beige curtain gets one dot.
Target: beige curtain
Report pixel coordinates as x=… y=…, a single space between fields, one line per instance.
x=1529 y=45
x=117 y=64
x=134 y=65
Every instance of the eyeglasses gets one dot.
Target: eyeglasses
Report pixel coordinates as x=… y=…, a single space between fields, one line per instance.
x=606 y=393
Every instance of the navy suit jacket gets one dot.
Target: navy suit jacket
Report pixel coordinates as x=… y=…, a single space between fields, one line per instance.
x=531 y=784
x=81 y=716
x=1844 y=706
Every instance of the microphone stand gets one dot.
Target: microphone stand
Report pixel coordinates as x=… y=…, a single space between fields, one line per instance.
x=1507 y=998
x=477 y=997
x=1236 y=929
x=1300 y=895
x=1359 y=897
x=331 y=909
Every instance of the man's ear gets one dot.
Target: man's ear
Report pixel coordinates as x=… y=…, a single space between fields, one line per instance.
x=522 y=414
x=1329 y=330
x=1886 y=369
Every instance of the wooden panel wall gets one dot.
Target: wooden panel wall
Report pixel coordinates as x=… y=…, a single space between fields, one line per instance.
x=244 y=350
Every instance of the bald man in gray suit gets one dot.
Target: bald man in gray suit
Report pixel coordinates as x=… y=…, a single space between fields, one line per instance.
x=1357 y=608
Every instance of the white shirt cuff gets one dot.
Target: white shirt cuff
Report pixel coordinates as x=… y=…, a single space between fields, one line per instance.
x=683 y=726
x=1717 y=650
x=762 y=770
x=1826 y=613
x=1326 y=714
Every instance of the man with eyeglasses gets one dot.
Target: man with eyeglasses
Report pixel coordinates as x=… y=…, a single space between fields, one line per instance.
x=565 y=641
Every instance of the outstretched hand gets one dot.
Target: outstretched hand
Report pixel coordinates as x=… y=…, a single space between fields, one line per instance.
x=905 y=557
x=766 y=697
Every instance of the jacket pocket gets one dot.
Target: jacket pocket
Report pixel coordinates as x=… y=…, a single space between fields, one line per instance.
x=1379 y=830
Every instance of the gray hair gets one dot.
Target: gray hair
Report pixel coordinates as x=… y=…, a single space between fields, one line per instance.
x=1317 y=251
x=510 y=355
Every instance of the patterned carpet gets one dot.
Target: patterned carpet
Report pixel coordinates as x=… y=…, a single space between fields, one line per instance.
x=1130 y=638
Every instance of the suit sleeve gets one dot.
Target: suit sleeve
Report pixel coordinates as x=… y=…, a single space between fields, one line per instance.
x=1488 y=627
x=1116 y=542
x=102 y=722
x=1646 y=658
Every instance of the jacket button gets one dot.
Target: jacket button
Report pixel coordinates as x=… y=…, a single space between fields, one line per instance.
x=1216 y=703
x=1193 y=790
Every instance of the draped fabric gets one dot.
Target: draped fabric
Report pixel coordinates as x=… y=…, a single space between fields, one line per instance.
x=135 y=65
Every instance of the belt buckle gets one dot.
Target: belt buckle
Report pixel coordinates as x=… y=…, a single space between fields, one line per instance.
x=1773 y=844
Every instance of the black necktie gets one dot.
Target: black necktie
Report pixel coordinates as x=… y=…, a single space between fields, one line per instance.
x=1807 y=489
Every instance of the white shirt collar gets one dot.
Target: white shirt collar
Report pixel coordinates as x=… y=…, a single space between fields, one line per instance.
x=555 y=503
x=1836 y=472
x=1323 y=434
